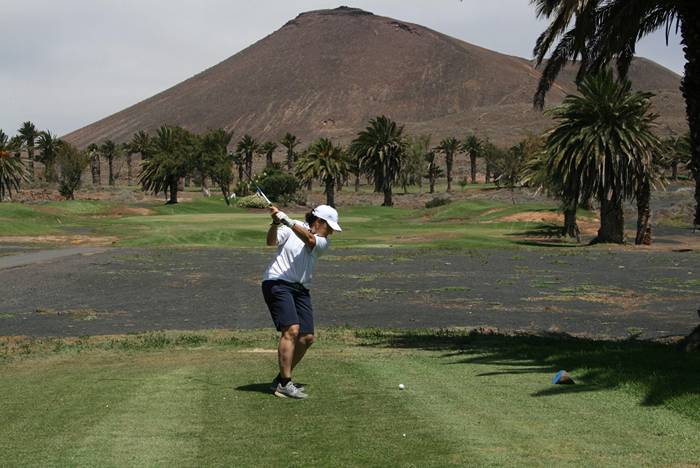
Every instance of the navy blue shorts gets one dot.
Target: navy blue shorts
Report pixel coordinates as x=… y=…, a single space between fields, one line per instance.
x=289 y=304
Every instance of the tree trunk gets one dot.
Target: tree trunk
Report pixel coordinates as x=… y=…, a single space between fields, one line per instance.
x=290 y=159
x=205 y=187
x=357 y=183
x=268 y=160
x=249 y=165
x=174 y=181
x=227 y=196
x=570 y=226
x=690 y=86
x=50 y=171
x=95 y=168
x=181 y=184
x=472 y=161
x=30 y=162
x=674 y=169
x=488 y=172
x=129 y=173
x=330 y=194
x=431 y=180
x=612 y=221
x=643 y=214
x=110 y=161
x=448 y=163
x=387 y=196
x=387 y=188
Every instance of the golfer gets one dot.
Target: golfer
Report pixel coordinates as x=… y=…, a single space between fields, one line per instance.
x=286 y=286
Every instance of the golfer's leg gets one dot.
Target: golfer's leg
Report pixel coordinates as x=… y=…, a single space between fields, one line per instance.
x=303 y=343
x=285 y=351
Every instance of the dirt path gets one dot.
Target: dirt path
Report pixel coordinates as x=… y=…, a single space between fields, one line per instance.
x=11 y=261
x=592 y=291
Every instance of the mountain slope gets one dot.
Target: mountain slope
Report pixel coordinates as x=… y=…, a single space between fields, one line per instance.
x=327 y=72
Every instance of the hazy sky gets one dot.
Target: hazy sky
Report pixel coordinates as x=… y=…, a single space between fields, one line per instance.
x=66 y=63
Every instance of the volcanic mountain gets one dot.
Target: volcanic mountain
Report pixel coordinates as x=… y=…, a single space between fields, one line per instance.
x=326 y=72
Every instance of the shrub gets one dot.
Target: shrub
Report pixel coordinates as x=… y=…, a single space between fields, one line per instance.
x=279 y=186
x=251 y=201
x=438 y=201
x=72 y=163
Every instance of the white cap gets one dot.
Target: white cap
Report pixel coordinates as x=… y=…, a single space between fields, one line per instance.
x=328 y=214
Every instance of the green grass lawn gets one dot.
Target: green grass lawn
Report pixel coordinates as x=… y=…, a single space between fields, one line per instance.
x=200 y=399
x=209 y=222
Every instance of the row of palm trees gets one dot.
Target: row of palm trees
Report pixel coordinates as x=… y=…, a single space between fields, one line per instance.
x=596 y=33
x=602 y=148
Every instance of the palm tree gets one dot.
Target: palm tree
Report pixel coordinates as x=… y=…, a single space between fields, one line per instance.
x=247 y=147
x=174 y=149
x=94 y=153
x=380 y=149
x=600 y=31
x=449 y=146
x=290 y=141
x=433 y=171
x=111 y=152
x=212 y=160
x=12 y=170
x=473 y=147
x=29 y=133
x=676 y=152
x=603 y=145
x=267 y=149
x=325 y=161
x=140 y=143
x=535 y=175
x=48 y=152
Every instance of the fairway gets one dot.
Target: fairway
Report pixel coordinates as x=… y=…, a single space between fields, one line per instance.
x=470 y=400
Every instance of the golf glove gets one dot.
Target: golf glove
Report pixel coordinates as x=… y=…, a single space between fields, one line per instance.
x=284 y=219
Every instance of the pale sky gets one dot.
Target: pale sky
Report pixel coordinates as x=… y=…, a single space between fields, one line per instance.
x=67 y=63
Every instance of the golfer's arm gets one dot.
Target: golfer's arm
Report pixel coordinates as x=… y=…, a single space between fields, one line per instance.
x=272 y=235
x=305 y=235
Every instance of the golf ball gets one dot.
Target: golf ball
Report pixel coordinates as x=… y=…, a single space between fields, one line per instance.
x=401 y=386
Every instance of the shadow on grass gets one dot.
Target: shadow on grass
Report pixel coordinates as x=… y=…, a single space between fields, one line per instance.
x=660 y=373
x=255 y=388
x=544 y=235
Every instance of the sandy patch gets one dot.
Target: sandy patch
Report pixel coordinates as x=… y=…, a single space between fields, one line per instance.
x=126 y=211
x=63 y=240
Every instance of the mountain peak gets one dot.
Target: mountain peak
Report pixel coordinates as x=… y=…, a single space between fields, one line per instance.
x=341 y=10
x=332 y=70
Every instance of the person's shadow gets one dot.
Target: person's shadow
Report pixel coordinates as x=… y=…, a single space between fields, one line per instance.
x=256 y=387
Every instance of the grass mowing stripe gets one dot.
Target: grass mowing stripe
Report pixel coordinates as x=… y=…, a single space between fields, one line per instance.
x=348 y=420
x=540 y=426
x=157 y=425
x=49 y=405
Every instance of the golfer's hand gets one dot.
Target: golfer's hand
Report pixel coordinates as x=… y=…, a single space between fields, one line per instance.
x=273 y=213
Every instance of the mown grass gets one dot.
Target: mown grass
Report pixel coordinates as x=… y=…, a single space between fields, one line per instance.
x=209 y=222
x=471 y=399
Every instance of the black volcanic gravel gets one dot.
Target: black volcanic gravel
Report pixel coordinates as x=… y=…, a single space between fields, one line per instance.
x=593 y=291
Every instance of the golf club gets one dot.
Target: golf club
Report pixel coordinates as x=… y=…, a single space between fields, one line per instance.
x=258 y=190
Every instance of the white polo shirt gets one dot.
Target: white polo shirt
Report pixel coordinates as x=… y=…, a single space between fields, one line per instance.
x=294 y=261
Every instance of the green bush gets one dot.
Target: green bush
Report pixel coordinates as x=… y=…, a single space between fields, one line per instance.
x=251 y=201
x=279 y=186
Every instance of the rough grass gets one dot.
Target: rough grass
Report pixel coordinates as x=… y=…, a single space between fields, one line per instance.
x=200 y=399
x=209 y=222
